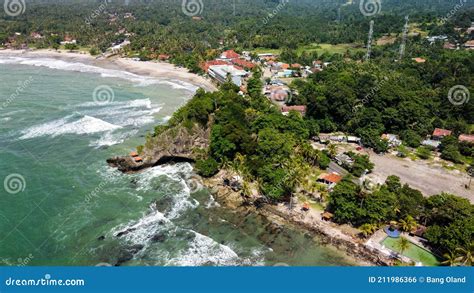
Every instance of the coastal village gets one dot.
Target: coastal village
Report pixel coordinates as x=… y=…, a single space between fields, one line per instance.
x=422 y=168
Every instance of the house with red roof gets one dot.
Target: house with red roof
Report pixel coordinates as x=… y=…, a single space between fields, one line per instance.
x=229 y=55
x=440 y=133
x=285 y=110
x=243 y=63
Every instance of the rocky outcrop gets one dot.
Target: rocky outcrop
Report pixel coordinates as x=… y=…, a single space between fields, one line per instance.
x=174 y=145
x=236 y=201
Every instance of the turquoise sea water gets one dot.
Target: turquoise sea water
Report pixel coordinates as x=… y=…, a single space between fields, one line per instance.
x=60 y=204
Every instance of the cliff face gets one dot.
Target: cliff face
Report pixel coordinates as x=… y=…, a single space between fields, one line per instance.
x=177 y=144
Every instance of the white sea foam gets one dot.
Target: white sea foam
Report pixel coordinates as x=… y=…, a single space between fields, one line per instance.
x=179 y=173
x=104 y=72
x=84 y=125
x=112 y=138
x=204 y=250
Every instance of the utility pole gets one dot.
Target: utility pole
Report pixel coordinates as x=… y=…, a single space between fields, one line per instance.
x=369 y=42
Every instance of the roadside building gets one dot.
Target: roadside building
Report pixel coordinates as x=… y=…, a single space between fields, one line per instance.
x=419 y=60
x=330 y=180
x=469 y=45
x=468 y=138
x=285 y=110
x=392 y=139
x=344 y=160
x=354 y=139
x=431 y=143
x=229 y=55
x=439 y=133
x=222 y=72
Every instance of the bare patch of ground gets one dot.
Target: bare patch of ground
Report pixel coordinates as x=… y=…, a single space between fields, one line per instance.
x=430 y=180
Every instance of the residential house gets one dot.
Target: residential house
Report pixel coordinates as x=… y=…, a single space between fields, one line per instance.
x=164 y=57
x=469 y=45
x=229 y=55
x=344 y=160
x=330 y=180
x=439 y=134
x=469 y=138
x=119 y=48
x=431 y=143
x=36 y=35
x=419 y=60
x=449 y=46
x=68 y=40
x=285 y=110
x=243 y=63
x=392 y=139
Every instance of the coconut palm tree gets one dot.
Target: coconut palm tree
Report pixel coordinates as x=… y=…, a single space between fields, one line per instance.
x=367 y=229
x=403 y=244
x=466 y=257
x=408 y=224
x=450 y=259
x=332 y=149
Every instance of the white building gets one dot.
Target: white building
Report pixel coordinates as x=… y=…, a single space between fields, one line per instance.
x=222 y=72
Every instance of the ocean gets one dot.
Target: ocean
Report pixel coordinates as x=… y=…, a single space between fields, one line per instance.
x=61 y=205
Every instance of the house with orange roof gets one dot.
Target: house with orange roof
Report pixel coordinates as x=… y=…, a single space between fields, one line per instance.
x=419 y=60
x=330 y=180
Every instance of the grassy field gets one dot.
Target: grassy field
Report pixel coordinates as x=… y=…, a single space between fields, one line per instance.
x=320 y=48
x=414 y=252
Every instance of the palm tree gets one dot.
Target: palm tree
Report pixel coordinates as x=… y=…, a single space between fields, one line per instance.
x=332 y=149
x=408 y=224
x=451 y=259
x=466 y=255
x=403 y=244
x=367 y=229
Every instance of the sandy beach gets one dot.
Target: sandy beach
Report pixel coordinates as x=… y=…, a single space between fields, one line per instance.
x=159 y=70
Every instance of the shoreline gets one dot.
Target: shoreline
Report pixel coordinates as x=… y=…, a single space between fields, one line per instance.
x=158 y=70
x=330 y=236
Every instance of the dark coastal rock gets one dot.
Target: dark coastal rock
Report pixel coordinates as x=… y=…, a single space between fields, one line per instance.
x=127 y=254
x=158 y=238
x=175 y=145
x=126 y=232
x=101 y=238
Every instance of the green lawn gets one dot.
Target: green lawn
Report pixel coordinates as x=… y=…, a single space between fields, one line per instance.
x=415 y=252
